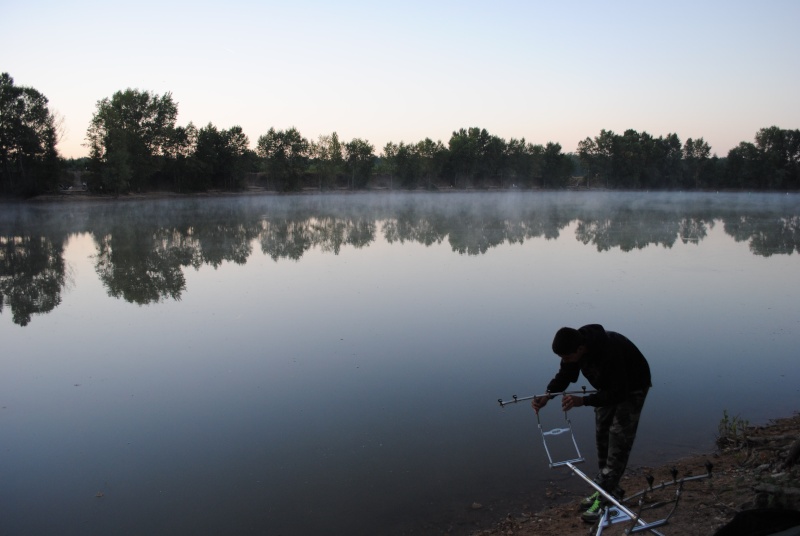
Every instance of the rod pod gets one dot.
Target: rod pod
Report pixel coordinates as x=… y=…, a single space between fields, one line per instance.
x=515 y=398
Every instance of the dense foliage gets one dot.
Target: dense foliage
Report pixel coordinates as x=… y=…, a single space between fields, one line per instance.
x=639 y=161
x=28 y=157
x=136 y=145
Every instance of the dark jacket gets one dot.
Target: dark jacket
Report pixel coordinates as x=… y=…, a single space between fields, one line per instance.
x=612 y=364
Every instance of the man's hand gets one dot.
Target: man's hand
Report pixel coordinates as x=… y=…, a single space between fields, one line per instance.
x=539 y=402
x=569 y=401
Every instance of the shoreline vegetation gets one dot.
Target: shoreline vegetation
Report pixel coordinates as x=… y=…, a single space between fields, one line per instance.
x=756 y=470
x=136 y=145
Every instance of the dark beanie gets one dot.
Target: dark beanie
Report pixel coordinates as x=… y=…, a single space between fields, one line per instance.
x=567 y=341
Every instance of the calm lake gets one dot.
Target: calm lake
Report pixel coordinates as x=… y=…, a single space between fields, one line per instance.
x=331 y=364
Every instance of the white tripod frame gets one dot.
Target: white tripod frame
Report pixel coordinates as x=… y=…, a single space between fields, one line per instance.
x=615 y=512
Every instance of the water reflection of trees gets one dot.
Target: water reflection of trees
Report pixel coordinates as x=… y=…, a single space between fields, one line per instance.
x=32 y=275
x=290 y=239
x=143 y=248
x=628 y=231
x=767 y=235
x=143 y=265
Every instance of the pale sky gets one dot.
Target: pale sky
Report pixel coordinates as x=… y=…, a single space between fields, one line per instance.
x=555 y=71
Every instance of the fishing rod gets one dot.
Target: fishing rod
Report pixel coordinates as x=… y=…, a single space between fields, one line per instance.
x=515 y=398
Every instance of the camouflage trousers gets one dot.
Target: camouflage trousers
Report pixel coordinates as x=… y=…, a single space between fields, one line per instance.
x=615 y=429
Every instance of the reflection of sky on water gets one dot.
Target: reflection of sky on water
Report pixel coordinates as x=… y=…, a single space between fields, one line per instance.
x=294 y=395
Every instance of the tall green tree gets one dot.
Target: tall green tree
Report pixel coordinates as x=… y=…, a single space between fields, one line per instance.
x=360 y=161
x=628 y=160
x=29 y=162
x=222 y=155
x=432 y=156
x=388 y=162
x=780 y=152
x=696 y=154
x=182 y=170
x=407 y=165
x=556 y=167
x=327 y=157
x=745 y=168
x=524 y=163
x=633 y=160
x=128 y=137
x=475 y=155
x=771 y=163
x=597 y=156
x=493 y=162
x=464 y=153
x=669 y=161
x=285 y=155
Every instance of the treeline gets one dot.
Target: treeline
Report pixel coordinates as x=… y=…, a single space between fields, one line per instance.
x=135 y=145
x=636 y=160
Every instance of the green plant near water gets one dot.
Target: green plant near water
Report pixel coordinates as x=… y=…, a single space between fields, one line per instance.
x=732 y=429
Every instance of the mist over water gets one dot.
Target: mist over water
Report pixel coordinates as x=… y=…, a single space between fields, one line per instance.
x=332 y=363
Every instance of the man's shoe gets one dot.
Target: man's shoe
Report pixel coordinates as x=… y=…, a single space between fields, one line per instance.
x=589 y=501
x=592 y=515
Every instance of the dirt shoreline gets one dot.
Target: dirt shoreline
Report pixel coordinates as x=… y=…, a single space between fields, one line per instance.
x=759 y=468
